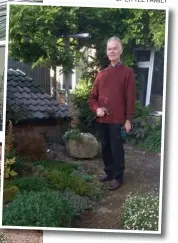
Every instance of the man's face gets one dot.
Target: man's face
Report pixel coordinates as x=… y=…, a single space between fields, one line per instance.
x=114 y=50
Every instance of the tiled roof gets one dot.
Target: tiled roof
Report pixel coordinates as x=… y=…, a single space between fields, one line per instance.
x=26 y=100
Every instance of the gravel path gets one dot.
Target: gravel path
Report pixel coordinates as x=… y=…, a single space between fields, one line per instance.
x=142 y=174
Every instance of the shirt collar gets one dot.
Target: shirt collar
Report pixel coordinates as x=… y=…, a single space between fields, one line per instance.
x=116 y=65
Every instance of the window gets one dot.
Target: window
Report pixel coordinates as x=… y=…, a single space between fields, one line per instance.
x=143 y=55
x=142 y=77
x=144 y=73
x=150 y=75
x=157 y=81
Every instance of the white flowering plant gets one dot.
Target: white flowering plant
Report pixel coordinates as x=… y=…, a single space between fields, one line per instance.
x=141 y=212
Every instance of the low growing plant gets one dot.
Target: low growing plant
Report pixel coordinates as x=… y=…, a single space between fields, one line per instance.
x=9 y=193
x=38 y=209
x=63 y=180
x=78 y=203
x=141 y=212
x=50 y=165
x=31 y=183
x=82 y=175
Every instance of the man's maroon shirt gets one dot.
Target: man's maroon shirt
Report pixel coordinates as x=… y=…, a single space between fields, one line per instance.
x=114 y=88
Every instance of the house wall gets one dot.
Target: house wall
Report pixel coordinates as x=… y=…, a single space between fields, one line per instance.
x=50 y=133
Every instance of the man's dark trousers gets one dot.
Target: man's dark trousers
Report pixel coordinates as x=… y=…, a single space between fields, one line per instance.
x=112 y=150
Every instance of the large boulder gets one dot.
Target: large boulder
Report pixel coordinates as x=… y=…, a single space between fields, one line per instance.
x=82 y=146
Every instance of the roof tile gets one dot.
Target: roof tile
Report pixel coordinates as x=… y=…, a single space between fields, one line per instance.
x=29 y=101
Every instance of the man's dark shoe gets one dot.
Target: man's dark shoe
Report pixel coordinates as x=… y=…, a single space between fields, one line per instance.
x=105 y=178
x=114 y=185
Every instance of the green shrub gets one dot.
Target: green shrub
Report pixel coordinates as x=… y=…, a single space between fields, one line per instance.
x=28 y=184
x=78 y=203
x=72 y=133
x=22 y=167
x=9 y=193
x=82 y=175
x=39 y=170
x=38 y=209
x=50 y=165
x=153 y=140
x=141 y=212
x=62 y=180
x=81 y=95
x=8 y=171
x=140 y=123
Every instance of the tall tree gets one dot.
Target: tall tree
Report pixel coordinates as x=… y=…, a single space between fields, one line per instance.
x=35 y=33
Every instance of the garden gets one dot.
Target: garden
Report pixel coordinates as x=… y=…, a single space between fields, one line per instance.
x=42 y=192
x=62 y=191
x=56 y=184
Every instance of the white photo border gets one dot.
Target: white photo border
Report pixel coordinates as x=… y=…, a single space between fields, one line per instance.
x=76 y=4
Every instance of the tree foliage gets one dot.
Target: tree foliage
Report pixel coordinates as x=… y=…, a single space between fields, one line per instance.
x=35 y=33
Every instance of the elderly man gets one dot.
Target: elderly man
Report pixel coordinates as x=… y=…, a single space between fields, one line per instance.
x=112 y=98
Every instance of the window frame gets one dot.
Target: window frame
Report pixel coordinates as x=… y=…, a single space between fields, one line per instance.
x=150 y=66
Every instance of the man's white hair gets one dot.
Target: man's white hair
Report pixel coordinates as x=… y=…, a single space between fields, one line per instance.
x=115 y=38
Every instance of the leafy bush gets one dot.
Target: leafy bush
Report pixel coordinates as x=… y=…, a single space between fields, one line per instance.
x=140 y=123
x=9 y=193
x=38 y=209
x=81 y=95
x=22 y=167
x=78 y=203
x=28 y=184
x=153 y=140
x=8 y=172
x=141 y=212
x=63 y=180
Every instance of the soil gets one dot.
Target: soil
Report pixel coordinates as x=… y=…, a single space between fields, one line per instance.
x=142 y=174
x=23 y=236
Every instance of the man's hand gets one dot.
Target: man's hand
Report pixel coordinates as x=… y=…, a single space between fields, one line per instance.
x=127 y=126
x=100 y=112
